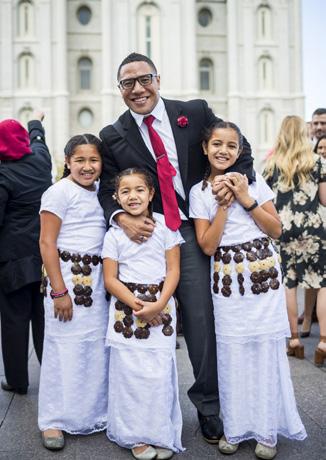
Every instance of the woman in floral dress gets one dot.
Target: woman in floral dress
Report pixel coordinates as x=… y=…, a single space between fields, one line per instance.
x=298 y=179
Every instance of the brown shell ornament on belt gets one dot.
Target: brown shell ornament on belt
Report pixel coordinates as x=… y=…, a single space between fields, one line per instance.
x=167 y=330
x=86 y=270
x=88 y=301
x=226 y=291
x=75 y=258
x=118 y=326
x=86 y=259
x=76 y=268
x=127 y=332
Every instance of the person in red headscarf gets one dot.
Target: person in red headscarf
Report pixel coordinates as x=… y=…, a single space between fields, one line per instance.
x=25 y=173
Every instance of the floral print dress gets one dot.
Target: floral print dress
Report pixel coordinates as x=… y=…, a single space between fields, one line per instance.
x=303 y=241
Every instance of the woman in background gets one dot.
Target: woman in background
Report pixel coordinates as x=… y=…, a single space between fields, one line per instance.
x=320 y=147
x=298 y=177
x=25 y=173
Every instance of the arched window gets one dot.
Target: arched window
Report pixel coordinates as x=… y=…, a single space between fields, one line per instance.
x=206 y=71
x=148 y=30
x=265 y=73
x=26 y=71
x=25 y=115
x=84 y=15
x=85 y=118
x=25 y=18
x=266 y=130
x=204 y=17
x=85 y=73
x=264 y=23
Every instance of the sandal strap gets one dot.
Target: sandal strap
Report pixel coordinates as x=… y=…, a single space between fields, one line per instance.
x=322 y=338
x=294 y=335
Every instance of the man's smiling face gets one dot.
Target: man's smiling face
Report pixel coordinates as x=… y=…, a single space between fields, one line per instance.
x=140 y=99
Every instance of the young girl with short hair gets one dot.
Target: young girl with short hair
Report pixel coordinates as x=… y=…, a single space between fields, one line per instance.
x=143 y=403
x=256 y=393
x=73 y=383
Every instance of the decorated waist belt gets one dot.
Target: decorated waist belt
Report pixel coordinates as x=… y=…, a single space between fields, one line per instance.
x=261 y=264
x=125 y=323
x=81 y=270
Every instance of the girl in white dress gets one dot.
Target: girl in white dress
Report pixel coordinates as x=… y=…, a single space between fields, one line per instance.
x=73 y=382
x=256 y=393
x=143 y=404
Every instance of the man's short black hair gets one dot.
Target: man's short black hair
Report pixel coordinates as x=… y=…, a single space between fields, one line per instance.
x=320 y=111
x=136 y=57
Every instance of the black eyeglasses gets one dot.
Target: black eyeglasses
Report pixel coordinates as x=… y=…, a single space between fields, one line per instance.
x=143 y=80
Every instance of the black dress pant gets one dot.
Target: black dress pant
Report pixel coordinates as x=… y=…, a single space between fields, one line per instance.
x=196 y=305
x=17 y=309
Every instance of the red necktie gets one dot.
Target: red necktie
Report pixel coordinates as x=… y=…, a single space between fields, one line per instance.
x=165 y=171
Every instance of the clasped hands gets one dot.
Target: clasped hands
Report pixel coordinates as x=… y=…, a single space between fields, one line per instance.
x=230 y=187
x=150 y=312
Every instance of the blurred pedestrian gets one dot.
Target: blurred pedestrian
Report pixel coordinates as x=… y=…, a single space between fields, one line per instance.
x=298 y=178
x=320 y=146
x=318 y=123
x=25 y=173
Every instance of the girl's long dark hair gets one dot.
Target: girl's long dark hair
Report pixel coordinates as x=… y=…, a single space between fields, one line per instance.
x=75 y=141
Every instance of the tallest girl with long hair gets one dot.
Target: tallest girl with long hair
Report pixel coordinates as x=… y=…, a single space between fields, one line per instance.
x=255 y=388
x=298 y=179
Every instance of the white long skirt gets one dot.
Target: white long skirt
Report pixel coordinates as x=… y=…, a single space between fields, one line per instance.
x=143 y=401
x=73 y=381
x=73 y=386
x=256 y=393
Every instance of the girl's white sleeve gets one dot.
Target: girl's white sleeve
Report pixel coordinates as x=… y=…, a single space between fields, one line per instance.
x=173 y=239
x=110 y=246
x=55 y=200
x=265 y=193
x=198 y=209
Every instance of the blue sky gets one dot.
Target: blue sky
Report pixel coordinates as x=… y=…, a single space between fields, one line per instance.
x=314 y=54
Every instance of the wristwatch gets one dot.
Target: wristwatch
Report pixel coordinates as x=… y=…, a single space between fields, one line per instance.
x=252 y=207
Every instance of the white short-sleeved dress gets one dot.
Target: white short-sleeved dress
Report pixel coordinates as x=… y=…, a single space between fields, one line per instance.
x=251 y=324
x=73 y=382
x=143 y=397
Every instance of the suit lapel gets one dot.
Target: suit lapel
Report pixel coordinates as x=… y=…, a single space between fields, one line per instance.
x=135 y=140
x=174 y=110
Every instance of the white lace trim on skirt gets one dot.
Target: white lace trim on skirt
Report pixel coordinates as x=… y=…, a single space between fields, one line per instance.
x=143 y=399
x=256 y=392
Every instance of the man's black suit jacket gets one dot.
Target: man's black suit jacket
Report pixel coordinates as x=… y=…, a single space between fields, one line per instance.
x=127 y=149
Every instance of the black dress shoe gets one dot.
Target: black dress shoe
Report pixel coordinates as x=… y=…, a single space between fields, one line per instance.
x=19 y=390
x=211 y=427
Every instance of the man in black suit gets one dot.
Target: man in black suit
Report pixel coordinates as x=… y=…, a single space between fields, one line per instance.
x=127 y=144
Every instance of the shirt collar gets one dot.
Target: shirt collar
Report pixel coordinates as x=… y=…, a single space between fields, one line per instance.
x=157 y=112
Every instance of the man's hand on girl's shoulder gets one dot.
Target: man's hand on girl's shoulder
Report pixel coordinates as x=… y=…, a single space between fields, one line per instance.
x=137 y=228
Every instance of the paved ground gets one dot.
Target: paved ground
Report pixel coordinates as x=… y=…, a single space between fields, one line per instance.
x=20 y=439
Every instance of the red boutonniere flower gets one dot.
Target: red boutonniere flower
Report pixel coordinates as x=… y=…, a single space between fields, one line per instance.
x=182 y=121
